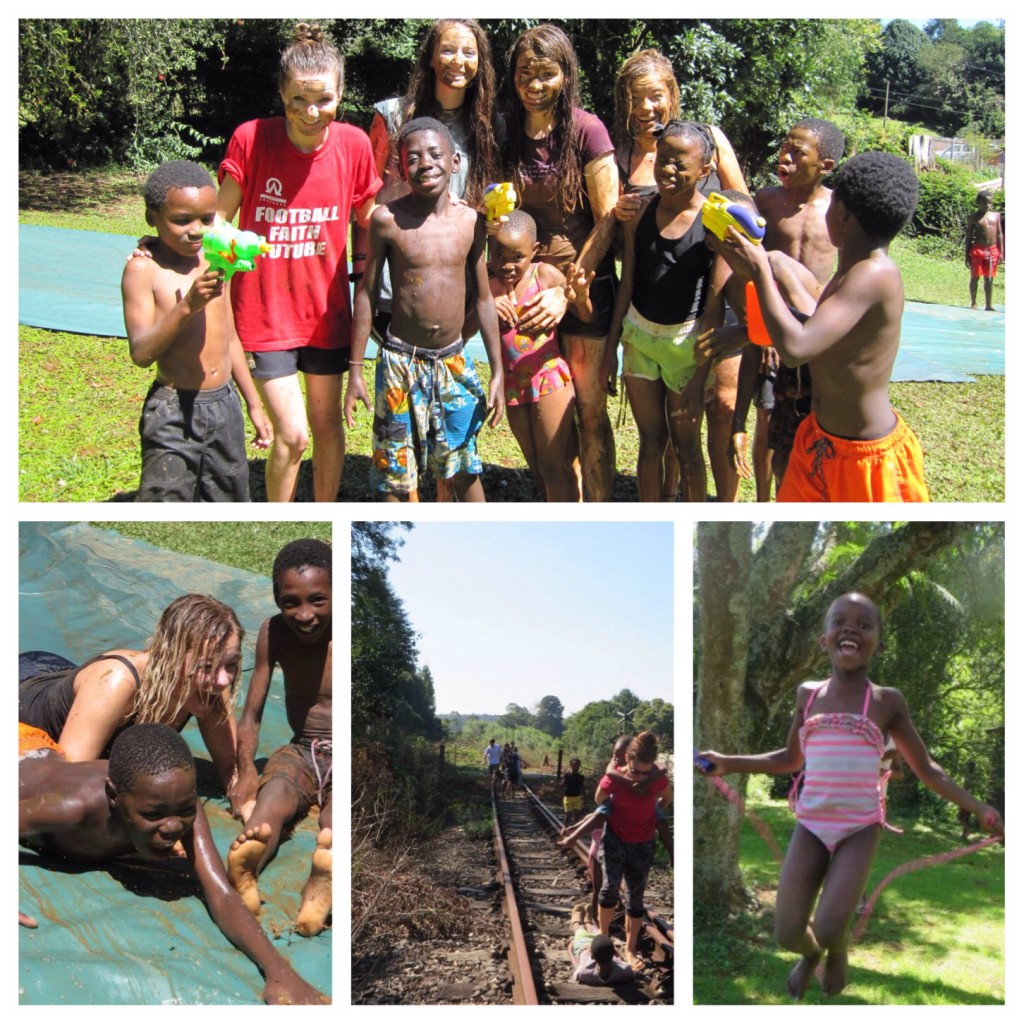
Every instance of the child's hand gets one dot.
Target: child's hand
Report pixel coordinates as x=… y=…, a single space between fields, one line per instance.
x=991 y=821
x=27 y=922
x=144 y=246
x=577 y=283
x=627 y=206
x=506 y=308
x=496 y=402
x=264 y=431
x=355 y=392
x=492 y=227
x=738 y=455
x=744 y=258
x=205 y=288
x=715 y=759
x=716 y=342
x=291 y=990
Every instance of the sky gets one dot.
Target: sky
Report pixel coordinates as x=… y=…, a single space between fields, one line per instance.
x=509 y=613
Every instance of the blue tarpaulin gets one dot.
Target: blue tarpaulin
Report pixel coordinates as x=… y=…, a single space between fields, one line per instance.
x=130 y=933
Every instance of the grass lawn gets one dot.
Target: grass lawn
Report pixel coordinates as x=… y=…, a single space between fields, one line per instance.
x=936 y=936
x=243 y=545
x=80 y=395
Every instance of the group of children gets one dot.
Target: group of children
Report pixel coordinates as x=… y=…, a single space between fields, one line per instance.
x=831 y=437
x=505 y=767
x=143 y=801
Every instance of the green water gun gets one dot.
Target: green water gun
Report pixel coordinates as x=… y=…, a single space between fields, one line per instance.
x=229 y=250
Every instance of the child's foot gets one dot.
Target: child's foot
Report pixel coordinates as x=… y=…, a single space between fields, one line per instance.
x=633 y=959
x=316 y=893
x=833 y=978
x=244 y=863
x=800 y=977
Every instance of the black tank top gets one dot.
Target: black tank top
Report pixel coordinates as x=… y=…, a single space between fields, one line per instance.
x=670 y=274
x=44 y=700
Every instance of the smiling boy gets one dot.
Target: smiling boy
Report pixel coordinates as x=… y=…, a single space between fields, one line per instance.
x=143 y=802
x=429 y=404
x=192 y=431
x=297 y=775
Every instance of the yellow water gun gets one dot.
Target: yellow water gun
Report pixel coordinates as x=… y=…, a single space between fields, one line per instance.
x=500 y=199
x=719 y=214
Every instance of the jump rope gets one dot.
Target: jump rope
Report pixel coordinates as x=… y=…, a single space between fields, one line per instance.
x=705 y=766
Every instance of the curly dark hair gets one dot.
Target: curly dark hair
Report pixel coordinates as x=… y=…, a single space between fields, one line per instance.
x=880 y=190
x=143 y=751
x=423 y=124
x=171 y=175
x=521 y=223
x=309 y=54
x=551 y=43
x=301 y=554
x=477 y=108
x=831 y=141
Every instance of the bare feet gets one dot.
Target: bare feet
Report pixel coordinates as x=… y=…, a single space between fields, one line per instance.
x=633 y=959
x=833 y=978
x=316 y=893
x=244 y=863
x=800 y=977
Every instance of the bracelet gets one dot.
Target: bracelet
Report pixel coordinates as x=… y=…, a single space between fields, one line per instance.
x=356 y=276
x=353 y=362
x=358 y=256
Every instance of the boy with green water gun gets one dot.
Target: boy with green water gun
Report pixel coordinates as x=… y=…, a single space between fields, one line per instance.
x=192 y=431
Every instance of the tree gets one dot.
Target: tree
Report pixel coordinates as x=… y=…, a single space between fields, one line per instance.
x=548 y=717
x=761 y=597
x=657 y=716
x=515 y=717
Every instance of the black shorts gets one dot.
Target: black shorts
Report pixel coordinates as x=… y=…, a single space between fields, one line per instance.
x=602 y=298
x=193 y=446
x=625 y=862
x=316 y=362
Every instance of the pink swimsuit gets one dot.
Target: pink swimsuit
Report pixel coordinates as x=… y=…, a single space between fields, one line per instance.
x=842 y=754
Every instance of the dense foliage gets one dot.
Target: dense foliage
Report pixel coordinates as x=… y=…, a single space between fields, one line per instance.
x=137 y=91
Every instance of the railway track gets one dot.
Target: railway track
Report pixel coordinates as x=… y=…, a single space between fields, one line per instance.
x=540 y=884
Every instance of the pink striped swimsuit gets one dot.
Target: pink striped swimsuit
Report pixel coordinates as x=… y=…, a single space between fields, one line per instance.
x=842 y=754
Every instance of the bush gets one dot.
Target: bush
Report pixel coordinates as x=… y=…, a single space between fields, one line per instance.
x=947 y=199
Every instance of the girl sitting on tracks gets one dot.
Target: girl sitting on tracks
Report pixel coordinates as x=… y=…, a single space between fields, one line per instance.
x=839 y=811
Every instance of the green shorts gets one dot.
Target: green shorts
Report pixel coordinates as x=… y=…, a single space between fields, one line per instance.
x=658 y=351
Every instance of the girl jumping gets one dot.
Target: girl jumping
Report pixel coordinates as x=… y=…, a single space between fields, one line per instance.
x=838 y=737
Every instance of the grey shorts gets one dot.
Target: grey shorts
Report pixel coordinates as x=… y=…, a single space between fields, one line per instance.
x=624 y=862
x=193 y=446
x=317 y=362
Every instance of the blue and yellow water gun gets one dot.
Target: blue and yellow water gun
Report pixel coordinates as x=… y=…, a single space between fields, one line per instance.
x=719 y=214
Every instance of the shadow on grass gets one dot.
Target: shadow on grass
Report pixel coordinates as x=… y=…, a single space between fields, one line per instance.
x=501 y=484
x=76 y=192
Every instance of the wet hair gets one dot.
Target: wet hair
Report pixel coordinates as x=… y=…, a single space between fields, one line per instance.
x=830 y=140
x=645 y=64
x=699 y=134
x=549 y=43
x=734 y=195
x=306 y=553
x=477 y=108
x=880 y=190
x=190 y=628
x=171 y=175
x=144 y=751
x=309 y=55
x=644 y=747
x=424 y=124
x=520 y=223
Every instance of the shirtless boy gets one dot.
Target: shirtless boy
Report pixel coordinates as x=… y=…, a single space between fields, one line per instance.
x=429 y=403
x=143 y=803
x=794 y=212
x=193 y=434
x=984 y=247
x=852 y=446
x=298 y=775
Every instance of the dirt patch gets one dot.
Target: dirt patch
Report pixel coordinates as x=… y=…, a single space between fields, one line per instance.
x=79 y=191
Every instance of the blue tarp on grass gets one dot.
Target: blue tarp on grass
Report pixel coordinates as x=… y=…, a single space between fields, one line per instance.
x=82 y=293
x=120 y=933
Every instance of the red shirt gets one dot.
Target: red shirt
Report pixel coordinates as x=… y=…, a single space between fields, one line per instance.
x=632 y=817
x=298 y=294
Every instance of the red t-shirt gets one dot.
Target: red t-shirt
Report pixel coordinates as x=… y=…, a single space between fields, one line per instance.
x=298 y=294
x=632 y=817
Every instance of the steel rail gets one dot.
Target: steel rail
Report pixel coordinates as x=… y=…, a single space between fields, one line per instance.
x=524 y=991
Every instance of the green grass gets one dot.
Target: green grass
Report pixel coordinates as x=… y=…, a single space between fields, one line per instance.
x=936 y=936
x=243 y=545
x=927 y=279
x=80 y=396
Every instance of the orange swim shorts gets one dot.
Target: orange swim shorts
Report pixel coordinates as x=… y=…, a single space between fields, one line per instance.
x=984 y=260
x=826 y=468
x=33 y=742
